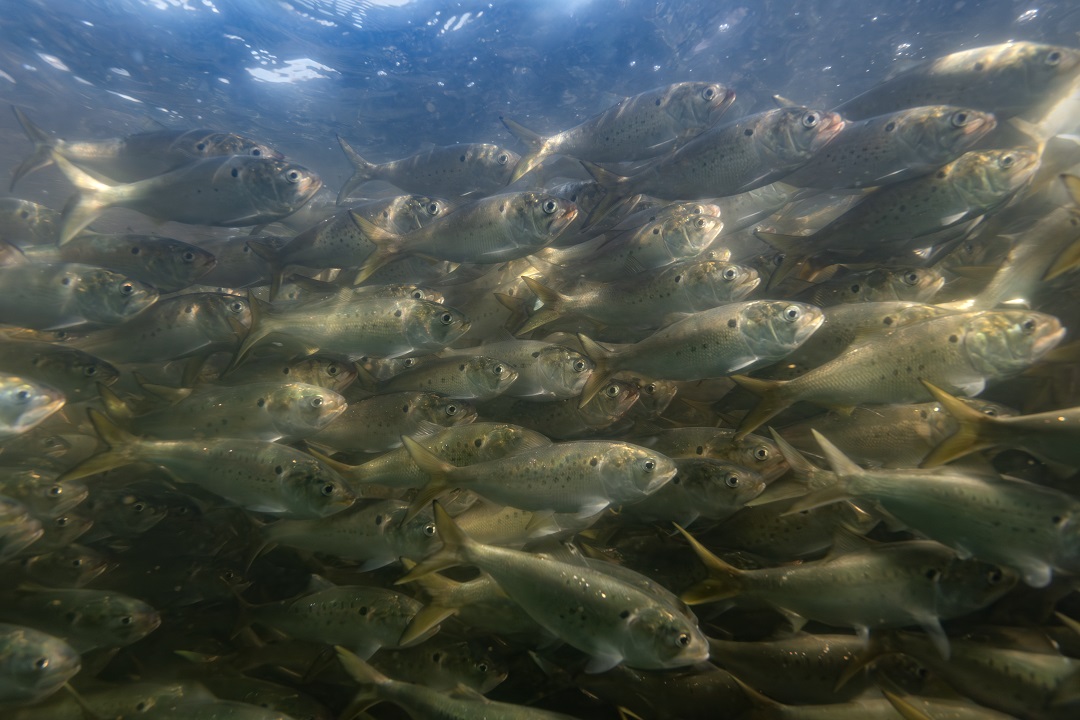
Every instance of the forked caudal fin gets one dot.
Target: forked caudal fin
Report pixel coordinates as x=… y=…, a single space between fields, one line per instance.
x=724 y=580
x=452 y=553
x=120 y=449
x=362 y=171
x=43 y=146
x=973 y=432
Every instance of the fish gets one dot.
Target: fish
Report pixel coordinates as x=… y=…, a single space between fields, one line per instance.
x=25 y=404
x=85 y=619
x=962 y=352
x=72 y=372
x=545 y=371
x=461 y=377
x=377 y=423
x=720 y=341
x=35 y=664
x=138 y=156
x=702 y=488
x=25 y=222
x=894 y=147
x=635 y=128
x=453 y=170
x=18 y=528
x=229 y=191
x=51 y=296
x=628 y=625
x=254 y=474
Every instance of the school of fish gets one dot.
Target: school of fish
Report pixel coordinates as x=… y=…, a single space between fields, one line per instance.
x=672 y=414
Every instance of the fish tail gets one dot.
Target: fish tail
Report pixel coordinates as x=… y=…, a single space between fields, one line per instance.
x=438 y=470
x=616 y=189
x=601 y=373
x=43 y=145
x=84 y=206
x=273 y=258
x=1069 y=259
x=362 y=171
x=454 y=551
x=724 y=580
x=840 y=491
x=387 y=247
x=349 y=472
x=426 y=621
x=518 y=310
x=974 y=431
x=535 y=141
x=548 y=313
x=255 y=333
x=369 y=679
x=120 y=449
x=773 y=401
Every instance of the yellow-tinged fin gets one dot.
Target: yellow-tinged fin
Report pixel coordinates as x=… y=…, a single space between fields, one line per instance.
x=971 y=433
x=84 y=206
x=773 y=401
x=362 y=171
x=438 y=470
x=171 y=395
x=452 y=553
x=550 y=311
x=537 y=152
x=120 y=449
x=256 y=332
x=1067 y=261
x=349 y=472
x=368 y=677
x=616 y=189
x=42 y=155
x=840 y=463
x=906 y=709
x=793 y=248
x=272 y=256
x=601 y=373
x=387 y=247
x=424 y=624
x=724 y=580
x=114 y=405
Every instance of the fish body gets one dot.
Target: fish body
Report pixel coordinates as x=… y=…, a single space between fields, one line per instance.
x=702 y=487
x=376 y=424
x=461 y=377
x=33 y=664
x=545 y=371
x=85 y=619
x=73 y=372
x=51 y=296
x=24 y=404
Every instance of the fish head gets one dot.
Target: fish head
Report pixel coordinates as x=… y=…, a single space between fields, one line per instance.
x=629 y=471
x=654 y=395
x=470 y=664
x=504 y=439
x=1045 y=66
x=696 y=105
x=129 y=511
x=489 y=375
x=688 y=233
x=539 y=214
x=274 y=186
x=938 y=132
x=418 y=292
x=432 y=326
x=608 y=405
x=1000 y=343
x=179 y=263
x=414 y=537
x=34 y=662
x=312 y=489
x=25 y=403
x=987 y=178
x=324 y=372
x=754 y=452
x=122 y=618
x=903 y=283
x=56 y=496
x=563 y=371
x=498 y=163
x=718 y=281
x=207 y=143
x=774 y=328
x=110 y=298
x=717 y=483
x=965 y=585
x=79 y=369
x=409 y=212
x=298 y=409
x=796 y=133
x=443 y=411
x=664 y=639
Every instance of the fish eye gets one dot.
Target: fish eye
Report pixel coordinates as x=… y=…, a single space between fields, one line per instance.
x=256 y=152
x=708 y=93
x=328 y=489
x=649 y=465
x=683 y=640
x=237 y=306
x=932 y=574
x=41 y=663
x=911 y=278
x=503 y=159
x=732 y=480
x=612 y=391
x=22 y=395
x=550 y=207
x=433 y=208
x=451 y=410
x=1053 y=58
x=90 y=371
x=729 y=274
x=446 y=318
x=293 y=176
x=127 y=620
x=995 y=576
x=990 y=411
x=959 y=119
x=699 y=223
x=188 y=256
x=890 y=127
x=127 y=288
x=62 y=521
x=200 y=146
x=579 y=366
x=417 y=295
x=482 y=667
x=408 y=362
x=429 y=529
x=810 y=120
x=332 y=369
x=792 y=313
x=1029 y=326
x=761 y=453
x=317 y=401
x=235 y=172
x=56 y=491
x=138 y=507
x=498 y=369
x=1007 y=161
x=142 y=706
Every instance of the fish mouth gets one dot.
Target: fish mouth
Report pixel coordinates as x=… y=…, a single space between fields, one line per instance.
x=659 y=481
x=831 y=125
x=979 y=125
x=1048 y=342
x=560 y=224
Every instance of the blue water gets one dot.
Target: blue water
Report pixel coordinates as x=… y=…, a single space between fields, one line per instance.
x=392 y=74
